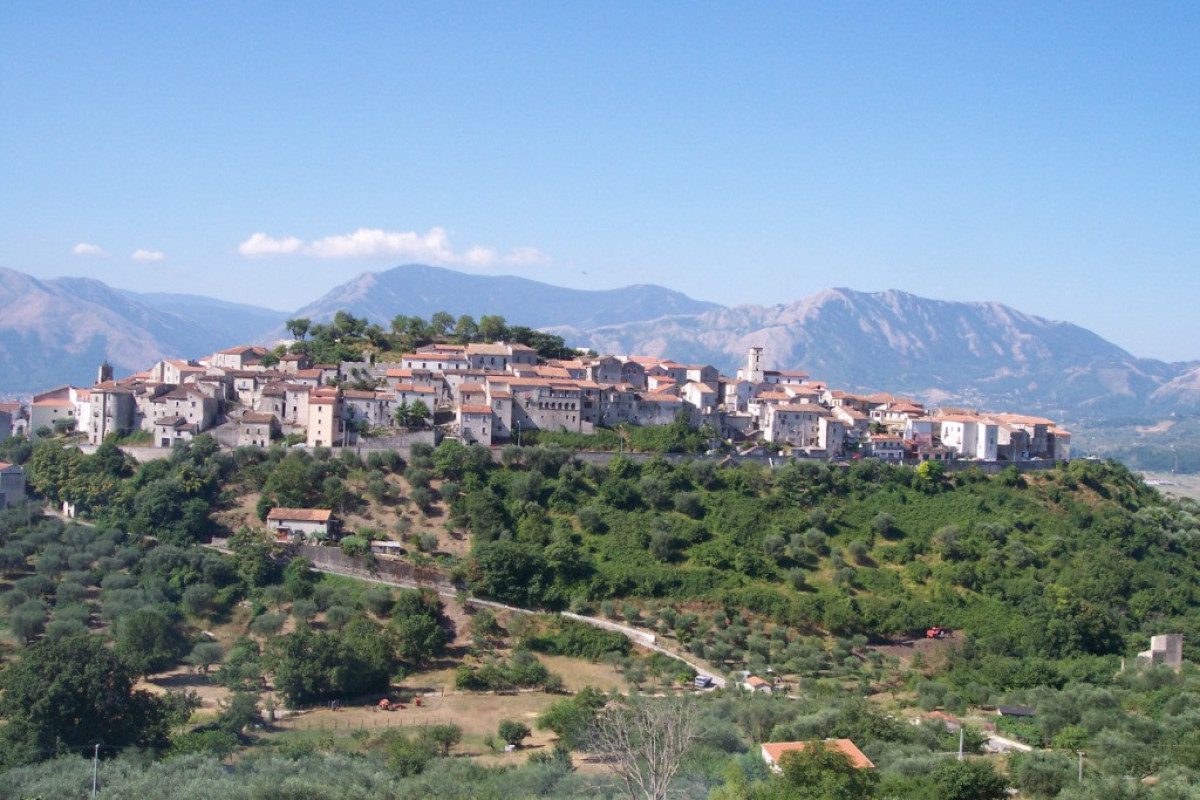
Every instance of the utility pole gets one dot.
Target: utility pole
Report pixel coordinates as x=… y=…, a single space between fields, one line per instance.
x=961 y=736
x=1080 y=766
x=95 y=770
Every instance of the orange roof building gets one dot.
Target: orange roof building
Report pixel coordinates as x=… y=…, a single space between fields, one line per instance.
x=773 y=752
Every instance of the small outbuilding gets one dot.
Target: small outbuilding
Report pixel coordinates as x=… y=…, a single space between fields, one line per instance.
x=753 y=683
x=1016 y=711
x=12 y=484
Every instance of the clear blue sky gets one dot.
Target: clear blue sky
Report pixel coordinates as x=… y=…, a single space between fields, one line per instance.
x=1044 y=155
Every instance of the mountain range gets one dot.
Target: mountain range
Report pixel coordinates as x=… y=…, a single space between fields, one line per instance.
x=981 y=354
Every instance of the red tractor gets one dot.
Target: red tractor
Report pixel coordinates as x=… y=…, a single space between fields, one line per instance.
x=937 y=632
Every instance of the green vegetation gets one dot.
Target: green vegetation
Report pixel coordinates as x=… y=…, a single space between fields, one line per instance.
x=1047 y=579
x=677 y=437
x=350 y=338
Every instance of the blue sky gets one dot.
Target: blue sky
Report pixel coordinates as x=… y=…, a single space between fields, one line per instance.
x=1044 y=155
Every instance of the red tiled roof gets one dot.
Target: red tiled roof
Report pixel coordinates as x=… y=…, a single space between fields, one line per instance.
x=802 y=408
x=776 y=751
x=300 y=514
x=473 y=409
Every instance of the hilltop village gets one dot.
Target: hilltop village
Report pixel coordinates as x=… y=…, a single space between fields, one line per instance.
x=490 y=393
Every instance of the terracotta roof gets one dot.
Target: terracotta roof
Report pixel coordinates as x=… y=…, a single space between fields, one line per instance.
x=242 y=350
x=300 y=514
x=755 y=681
x=4 y=465
x=257 y=417
x=473 y=409
x=786 y=373
x=776 y=750
x=53 y=402
x=481 y=349
x=1022 y=419
x=802 y=408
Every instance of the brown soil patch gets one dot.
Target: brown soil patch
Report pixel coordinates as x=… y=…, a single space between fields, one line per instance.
x=183 y=679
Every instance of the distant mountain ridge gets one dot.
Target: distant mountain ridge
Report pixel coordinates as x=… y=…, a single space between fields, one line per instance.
x=416 y=289
x=58 y=331
x=982 y=354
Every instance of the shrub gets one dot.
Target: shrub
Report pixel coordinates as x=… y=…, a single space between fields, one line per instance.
x=513 y=732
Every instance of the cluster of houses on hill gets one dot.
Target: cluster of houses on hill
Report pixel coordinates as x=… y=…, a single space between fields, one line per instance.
x=491 y=393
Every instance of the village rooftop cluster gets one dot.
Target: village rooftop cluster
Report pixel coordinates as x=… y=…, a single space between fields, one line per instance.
x=492 y=393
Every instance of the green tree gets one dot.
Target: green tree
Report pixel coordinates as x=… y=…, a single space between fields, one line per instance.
x=418 y=412
x=821 y=772
x=441 y=737
x=299 y=578
x=440 y=323
x=298 y=326
x=409 y=756
x=204 y=655
x=967 y=780
x=403 y=414
x=239 y=712
x=513 y=732
x=571 y=717
x=465 y=329
x=149 y=641
x=253 y=554
x=66 y=695
x=492 y=328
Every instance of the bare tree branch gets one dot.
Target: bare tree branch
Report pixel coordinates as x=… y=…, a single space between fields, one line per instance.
x=644 y=742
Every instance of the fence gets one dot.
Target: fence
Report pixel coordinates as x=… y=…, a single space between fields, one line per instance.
x=370 y=721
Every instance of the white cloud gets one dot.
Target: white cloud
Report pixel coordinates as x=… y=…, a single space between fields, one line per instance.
x=88 y=249
x=148 y=256
x=262 y=245
x=433 y=247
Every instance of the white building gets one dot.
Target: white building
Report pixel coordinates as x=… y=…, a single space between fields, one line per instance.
x=971 y=437
x=306 y=523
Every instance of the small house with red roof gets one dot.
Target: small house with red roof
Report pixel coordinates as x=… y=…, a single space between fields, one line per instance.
x=774 y=752
x=290 y=524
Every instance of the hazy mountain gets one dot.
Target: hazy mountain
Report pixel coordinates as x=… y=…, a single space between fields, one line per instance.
x=419 y=290
x=58 y=331
x=217 y=322
x=976 y=354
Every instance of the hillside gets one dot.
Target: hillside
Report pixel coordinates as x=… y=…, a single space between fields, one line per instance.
x=815 y=576
x=420 y=290
x=58 y=331
x=975 y=354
